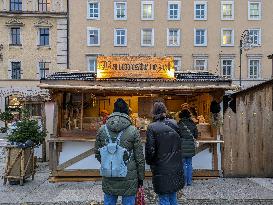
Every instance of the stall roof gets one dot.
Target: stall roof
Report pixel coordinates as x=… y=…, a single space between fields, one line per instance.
x=254 y=87
x=86 y=81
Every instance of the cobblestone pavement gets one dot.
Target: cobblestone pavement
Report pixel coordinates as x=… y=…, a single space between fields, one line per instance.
x=220 y=191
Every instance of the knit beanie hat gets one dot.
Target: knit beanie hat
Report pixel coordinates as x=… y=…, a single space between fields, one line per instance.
x=121 y=106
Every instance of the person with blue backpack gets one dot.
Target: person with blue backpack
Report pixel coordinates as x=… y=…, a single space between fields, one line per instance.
x=119 y=150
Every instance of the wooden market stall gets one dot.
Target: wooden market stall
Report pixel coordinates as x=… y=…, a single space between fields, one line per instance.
x=80 y=97
x=248 y=133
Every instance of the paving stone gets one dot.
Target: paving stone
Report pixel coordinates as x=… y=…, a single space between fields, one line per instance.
x=222 y=191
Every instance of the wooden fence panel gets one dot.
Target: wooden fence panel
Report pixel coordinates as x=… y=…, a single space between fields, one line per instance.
x=248 y=135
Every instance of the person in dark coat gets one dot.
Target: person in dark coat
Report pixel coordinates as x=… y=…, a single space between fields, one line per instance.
x=163 y=154
x=127 y=186
x=188 y=132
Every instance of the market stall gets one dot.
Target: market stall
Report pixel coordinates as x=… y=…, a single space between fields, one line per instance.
x=82 y=100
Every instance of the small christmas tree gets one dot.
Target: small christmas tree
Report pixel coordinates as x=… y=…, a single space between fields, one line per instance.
x=27 y=130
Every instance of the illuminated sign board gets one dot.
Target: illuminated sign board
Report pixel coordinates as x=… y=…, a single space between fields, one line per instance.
x=135 y=67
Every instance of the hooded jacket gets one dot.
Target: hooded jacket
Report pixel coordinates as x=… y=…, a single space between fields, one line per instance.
x=131 y=141
x=163 y=154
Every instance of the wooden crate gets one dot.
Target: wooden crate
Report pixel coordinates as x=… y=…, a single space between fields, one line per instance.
x=20 y=164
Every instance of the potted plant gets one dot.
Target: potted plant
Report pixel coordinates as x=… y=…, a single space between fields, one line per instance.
x=20 y=154
x=6 y=117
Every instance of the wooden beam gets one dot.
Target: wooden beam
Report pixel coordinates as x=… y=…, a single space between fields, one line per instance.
x=215 y=156
x=73 y=179
x=206 y=173
x=76 y=159
x=76 y=173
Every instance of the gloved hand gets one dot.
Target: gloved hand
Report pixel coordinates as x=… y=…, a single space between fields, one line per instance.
x=140 y=183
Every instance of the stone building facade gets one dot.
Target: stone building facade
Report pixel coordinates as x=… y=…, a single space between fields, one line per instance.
x=33 y=44
x=202 y=35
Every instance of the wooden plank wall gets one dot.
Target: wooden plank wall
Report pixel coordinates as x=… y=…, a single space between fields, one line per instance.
x=248 y=135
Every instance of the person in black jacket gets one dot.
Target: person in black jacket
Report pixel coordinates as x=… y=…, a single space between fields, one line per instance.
x=163 y=154
x=188 y=132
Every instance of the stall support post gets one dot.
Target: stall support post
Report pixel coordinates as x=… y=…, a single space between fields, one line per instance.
x=82 y=113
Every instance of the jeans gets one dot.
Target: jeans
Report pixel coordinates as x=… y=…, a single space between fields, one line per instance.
x=187 y=166
x=168 y=199
x=112 y=200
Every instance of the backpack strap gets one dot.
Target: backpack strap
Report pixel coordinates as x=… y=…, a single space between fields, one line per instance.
x=107 y=133
x=109 y=136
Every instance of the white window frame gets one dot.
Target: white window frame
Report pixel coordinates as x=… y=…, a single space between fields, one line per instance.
x=260 y=36
x=200 y=58
x=88 y=10
x=259 y=69
x=91 y=57
x=206 y=10
x=178 y=13
x=206 y=38
x=260 y=10
x=179 y=59
x=232 y=67
x=232 y=10
x=115 y=10
x=232 y=37
x=147 y=2
x=152 y=40
x=10 y=69
x=39 y=69
x=178 y=37
x=21 y=38
x=115 y=37
x=88 y=36
x=49 y=35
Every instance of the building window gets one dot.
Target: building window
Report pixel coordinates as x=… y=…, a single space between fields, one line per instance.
x=254 y=68
x=15 y=36
x=227 y=37
x=147 y=10
x=200 y=37
x=254 y=10
x=177 y=63
x=93 y=36
x=227 y=68
x=200 y=64
x=92 y=63
x=227 y=10
x=16 y=70
x=173 y=37
x=200 y=10
x=43 y=69
x=120 y=11
x=44 y=5
x=93 y=10
x=44 y=36
x=15 y=5
x=147 y=37
x=174 y=10
x=34 y=108
x=255 y=36
x=120 y=37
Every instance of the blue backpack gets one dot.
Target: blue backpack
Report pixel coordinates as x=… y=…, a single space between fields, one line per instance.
x=112 y=163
